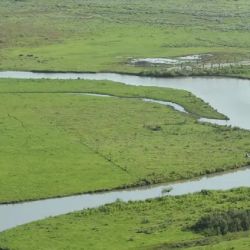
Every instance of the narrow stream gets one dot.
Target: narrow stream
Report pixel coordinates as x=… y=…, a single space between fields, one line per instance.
x=173 y=105
x=22 y=213
x=170 y=104
x=228 y=95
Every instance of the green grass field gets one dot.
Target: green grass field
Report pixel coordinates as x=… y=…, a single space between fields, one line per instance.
x=55 y=144
x=160 y=224
x=105 y=35
x=55 y=141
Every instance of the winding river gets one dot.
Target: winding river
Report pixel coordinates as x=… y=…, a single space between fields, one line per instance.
x=229 y=96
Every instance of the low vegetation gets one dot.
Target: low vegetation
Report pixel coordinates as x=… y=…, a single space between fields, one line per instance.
x=56 y=144
x=56 y=141
x=192 y=104
x=83 y=35
x=152 y=225
x=223 y=223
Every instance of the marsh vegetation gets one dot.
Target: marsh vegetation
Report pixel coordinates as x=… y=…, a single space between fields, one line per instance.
x=54 y=142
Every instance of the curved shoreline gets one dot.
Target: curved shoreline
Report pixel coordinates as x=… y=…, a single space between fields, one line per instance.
x=145 y=74
x=135 y=191
x=134 y=186
x=171 y=104
x=18 y=214
x=206 y=88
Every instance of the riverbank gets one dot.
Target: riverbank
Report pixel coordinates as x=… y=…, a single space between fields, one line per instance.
x=227 y=72
x=235 y=90
x=154 y=224
x=56 y=141
x=99 y=137
x=37 y=210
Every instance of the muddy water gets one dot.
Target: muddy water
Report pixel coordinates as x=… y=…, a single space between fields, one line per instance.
x=19 y=214
x=229 y=96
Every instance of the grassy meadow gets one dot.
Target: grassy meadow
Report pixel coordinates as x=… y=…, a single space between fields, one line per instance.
x=159 y=224
x=57 y=141
x=61 y=143
x=105 y=35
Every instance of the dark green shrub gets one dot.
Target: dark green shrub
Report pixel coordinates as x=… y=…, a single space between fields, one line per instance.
x=223 y=223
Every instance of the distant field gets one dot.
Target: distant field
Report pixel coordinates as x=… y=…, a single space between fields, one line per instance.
x=105 y=35
x=160 y=224
x=55 y=143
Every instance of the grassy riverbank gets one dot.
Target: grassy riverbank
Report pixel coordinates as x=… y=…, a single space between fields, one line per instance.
x=55 y=144
x=159 y=224
x=55 y=141
x=191 y=103
x=106 y=35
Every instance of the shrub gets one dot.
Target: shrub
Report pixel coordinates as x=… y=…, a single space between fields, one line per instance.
x=153 y=127
x=223 y=223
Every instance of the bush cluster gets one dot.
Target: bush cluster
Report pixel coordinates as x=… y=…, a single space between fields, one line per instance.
x=223 y=223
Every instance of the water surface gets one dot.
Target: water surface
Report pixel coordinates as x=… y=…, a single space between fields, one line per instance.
x=19 y=214
x=229 y=96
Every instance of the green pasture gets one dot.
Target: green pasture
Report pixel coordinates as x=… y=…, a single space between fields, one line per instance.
x=106 y=35
x=55 y=141
x=159 y=224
